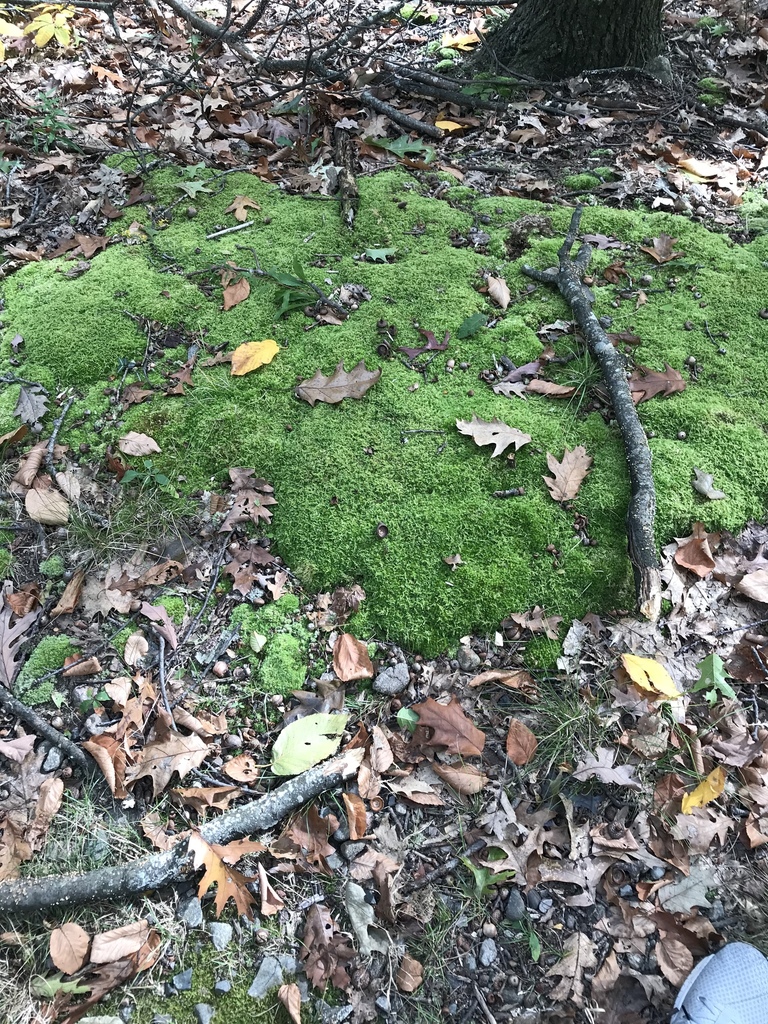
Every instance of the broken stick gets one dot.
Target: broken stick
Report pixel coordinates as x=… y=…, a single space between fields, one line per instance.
x=641 y=511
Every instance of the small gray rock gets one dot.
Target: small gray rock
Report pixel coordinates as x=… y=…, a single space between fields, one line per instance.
x=382 y=1004
x=269 y=976
x=222 y=987
x=350 y=850
x=162 y=1018
x=52 y=760
x=533 y=899
x=334 y=861
x=392 y=680
x=190 y=911
x=489 y=951
x=221 y=935
x=332 y=1014
x=289 y=963
x=183 y=982
x=470 y=963
x=204 y=1013
x=515 y=909
x=468 y=660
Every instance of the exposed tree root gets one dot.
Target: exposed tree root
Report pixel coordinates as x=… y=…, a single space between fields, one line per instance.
x=22 y=897
x=642 y=503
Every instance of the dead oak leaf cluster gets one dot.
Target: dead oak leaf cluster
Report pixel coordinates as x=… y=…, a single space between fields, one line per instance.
x=326 y=952
x=341 y=384
x=569 y=474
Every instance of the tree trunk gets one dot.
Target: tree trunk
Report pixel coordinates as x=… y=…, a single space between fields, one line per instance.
x=552 y=39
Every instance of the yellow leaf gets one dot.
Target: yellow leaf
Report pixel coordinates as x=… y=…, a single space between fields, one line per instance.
x=460 y=42
x=44 y=35
x=63 y=35
x=2 y=51
x=449 y=126
x=252 y=355
x=707 y=791
x=8 y=29
x=650 y=676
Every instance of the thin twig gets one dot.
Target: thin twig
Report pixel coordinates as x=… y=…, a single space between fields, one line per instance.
x=41 y=728
x=54 y=434
x=161 y=680
x=229 y=231
x=399 y=117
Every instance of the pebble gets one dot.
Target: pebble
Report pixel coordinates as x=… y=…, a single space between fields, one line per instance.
x=183 y=982
x=658 y=872
x=515 y=909
x=269 y=976
x=332 y=1014
x=162 y=1018
x=334 y=861
x=222 y=987
x=392 y=680
x=470 y=963
x=489 y=951
x=221 y=935
x=52 y=760
x=382 y=1004
x=533 y=899
x=351 y=850
x=190 y=911
x=204 y=1013
x=468 y=660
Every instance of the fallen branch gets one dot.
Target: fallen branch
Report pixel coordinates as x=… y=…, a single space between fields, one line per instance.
x=399 y=117
x=346 y=186
x=642 y=503
x=28 y=895
x=41 y=728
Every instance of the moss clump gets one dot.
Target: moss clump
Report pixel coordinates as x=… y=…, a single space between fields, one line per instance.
x=53 y=568
x=175 y=607
x=580 y=182
x=6 y=558
x=284 y=667
x=606 y=173
x=48 y=656
x=281 y=665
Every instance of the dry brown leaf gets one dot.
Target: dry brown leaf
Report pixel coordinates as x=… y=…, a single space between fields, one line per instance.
x=645 y=383
x=464 y=778
x=674 y=958
x=410 y=974
x=569 y=474
x=325 y=951
x=695 y=552
x=240 y=206
x=663 y=249
x=158 y=614
x=136 y=649
x=515 y=679
x=110 y=756
x=271 y=902
x=30 y=464
x=538 y=386
x=521 y=742
x=339 y=385
x=81 y=666
x=230 y=883
x=494 y=432
x=290 y=996
x=382 y=757
x=46 y=506
x=119 y=943
x=453 y=561
x=242 y=768
x=356 y=816
x=69 y=947
x=235 y=292
x=167 y=752
x=536 y=621
x=70 y=597
x=450 y=728
x=754 y=585
x=203 y=798
x=579 y=956
x=134 y=443
x=498 y=291
x=351 y=659
x=252 y=355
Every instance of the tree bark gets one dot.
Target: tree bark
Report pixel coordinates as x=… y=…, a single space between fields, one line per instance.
x=552 y=39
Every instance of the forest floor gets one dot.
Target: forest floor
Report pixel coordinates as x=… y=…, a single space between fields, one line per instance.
x=252 y=518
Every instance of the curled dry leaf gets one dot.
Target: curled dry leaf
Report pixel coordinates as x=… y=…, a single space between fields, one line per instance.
x=464 y=778
x=695 y=552
x=704 y=483
x=410 y=974
x=515 y=679
x=271 y=902
x=136 y=649
x=755 y=586
x=351 y=659
x=119 y=942
x=498 y=291
x=450 y=728
x=538 y=386
x=133 y=443
x=521 y=742
x=81 y=666
x=46 y=506
x=70 y=598
x=453 y=561
x=69 y=485
x=252 y=355
x=69 y=947
x=356 y=816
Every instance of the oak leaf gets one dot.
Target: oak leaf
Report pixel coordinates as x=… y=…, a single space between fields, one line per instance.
x=324 y=950
x=252 y=355
x=662 y=249
x=600 y=765
x=69 y=947
x=450 y=728
x=340 y=385
x=539 y=386
x=521 y=742
x=494 y=432
x=510 y=388
x=579 y=957
x=230 y=883
x=167 y=752
x=569 y=474
x=498 y=291
x=351 y=659
x=645 y=383
x=240 y=205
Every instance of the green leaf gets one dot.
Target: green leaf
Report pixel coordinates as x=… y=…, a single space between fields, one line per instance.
x=407 y=719
x=378 y=255
x=46 y=988
x=535 y=946
x=192 y=188
x=472 y=325
x=307 y=742
x=713 y=680
x=404 y=147
x=128 y=476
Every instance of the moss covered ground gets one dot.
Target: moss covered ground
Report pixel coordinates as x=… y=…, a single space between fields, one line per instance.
x=340 y=470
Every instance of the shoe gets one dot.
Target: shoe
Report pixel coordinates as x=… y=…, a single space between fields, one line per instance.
x=729 y=987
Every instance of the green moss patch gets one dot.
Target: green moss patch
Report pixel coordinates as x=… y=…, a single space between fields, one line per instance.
x=395 y=457
x=49 y=655
x=274 y=641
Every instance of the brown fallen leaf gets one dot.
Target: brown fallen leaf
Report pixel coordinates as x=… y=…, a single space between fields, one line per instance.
x=569 y=474
x=453 y=561
x=119 y=943
x=324 y=950
x=521 y=742
x=515 y=679
x=536 y=622
x=242 y=768
x=695 y=552
x=270 y=901
x=539 y=386
x=69 y=947
x=579 y=956
x=76 y=666
x=351 y=659
x=356 y=815
x=252 y=355
x=498 y=291
x=464 y=778
x=240 y=206
x=410 y=974
x=340 y=385
x=290 y=996
x=674 y=958
x=494 y=432
x=70 y=597
x=645 y=383
x=235 y=292
x=450 y=728
x=662 y=249
x=165 y=753
x=134 y=443
x=754 y=585
x=230 y=883
x=46 y=506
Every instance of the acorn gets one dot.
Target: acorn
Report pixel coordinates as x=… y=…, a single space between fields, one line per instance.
x=384 y=349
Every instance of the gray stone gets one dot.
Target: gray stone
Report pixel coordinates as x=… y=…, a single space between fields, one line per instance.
x=334 y=861
x=470 y=963
x=162 y=1018
x=222 y=987
x=382 y=1004
x=183 y=982
x=52 y=760
x=515 y=909
x=332 y=1014
x=533 y=899
x=468 y=660
x=392 y=680
x=268 y=976
x=221 y=935
x=190 y=911
x=350 y=850
x=489 y=951
x=289 y=963
x=204 y=1013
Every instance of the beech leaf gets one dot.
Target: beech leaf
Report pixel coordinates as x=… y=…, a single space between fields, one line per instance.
x=340 y=385
x=498 y=291
x=450 y=728
x=290 y=996
x=46 y=506
x=137 y=444
x=538 y=386
x=350 y=659
x=649 y=676
x=706 y=791
x=464 y=778
x=494 y=432
x=569 y=474
x=252 y=355
x=107 y=947
x=306 y=742
x=69 y=947
x=521 y=742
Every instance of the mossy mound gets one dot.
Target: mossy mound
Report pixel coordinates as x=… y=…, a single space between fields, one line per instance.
x=395 y=457
x=279 y=665
x=49 y=655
